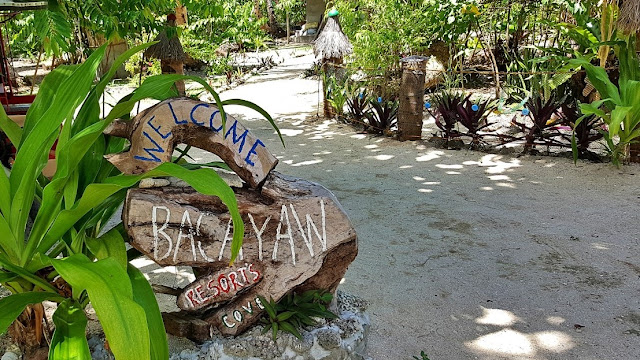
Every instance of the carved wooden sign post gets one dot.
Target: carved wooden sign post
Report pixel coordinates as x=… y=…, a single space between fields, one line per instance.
x=297 y=236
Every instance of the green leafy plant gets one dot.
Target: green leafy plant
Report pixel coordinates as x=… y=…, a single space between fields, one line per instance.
x=620 y=104
x=586 y=132
x=383 y=115
x=473 y=116
x=446 y=112
x=60 y=254
x=294 y=311
x=336 y=93
x=541 y=111
x=358 y=104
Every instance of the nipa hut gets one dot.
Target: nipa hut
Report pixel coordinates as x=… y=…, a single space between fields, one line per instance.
x=170 y=52
x=331 y=45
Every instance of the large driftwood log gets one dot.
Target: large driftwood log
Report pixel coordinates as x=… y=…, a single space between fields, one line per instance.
x=154 y=133
x=297 y=236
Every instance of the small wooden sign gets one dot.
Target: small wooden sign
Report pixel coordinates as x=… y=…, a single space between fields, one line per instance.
x=296 y=235
x=155 y=133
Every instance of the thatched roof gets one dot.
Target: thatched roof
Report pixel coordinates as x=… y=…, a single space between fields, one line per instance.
x=332 y=42
x=167 y=48
x=629 y=18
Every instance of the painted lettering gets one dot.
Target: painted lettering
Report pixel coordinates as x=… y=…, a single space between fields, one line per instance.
x=247 y=159
x=235 y=138
x=237 y=315
x=224 y=241
x=157 y=129
x=186 y=219
x=256 y=274
x=284 y=216
x=308 y=238
x=193 y=119
x=222 y=279
x=215 y=129
x=224 y=321
x=233 y=278
x=190 y=295
x=248 y=308
x=160 y=231
x=151 y=151
x=175 y=118
x=259 y=233
x=243 y=272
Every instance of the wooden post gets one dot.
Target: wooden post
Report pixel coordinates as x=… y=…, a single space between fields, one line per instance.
x=410 y=111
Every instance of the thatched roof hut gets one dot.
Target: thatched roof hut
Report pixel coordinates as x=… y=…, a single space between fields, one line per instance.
x=332 y=43
x=168 y=48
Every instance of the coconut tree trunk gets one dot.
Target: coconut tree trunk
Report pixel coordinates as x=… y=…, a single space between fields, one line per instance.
x=273 y=27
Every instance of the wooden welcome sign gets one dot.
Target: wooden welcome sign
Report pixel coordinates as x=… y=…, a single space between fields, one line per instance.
x=155 y=133
x=297 y=236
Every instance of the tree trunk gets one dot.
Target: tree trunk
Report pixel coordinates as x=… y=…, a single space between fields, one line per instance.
x=288 y=27
x=273 y=27
x=30 y=331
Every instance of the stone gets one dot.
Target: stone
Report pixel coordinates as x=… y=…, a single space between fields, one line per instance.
x=155 y=132
x=152 y=183
x=297 y=236
x=255 y=345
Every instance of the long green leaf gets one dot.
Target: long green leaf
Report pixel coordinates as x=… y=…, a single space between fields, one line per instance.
x=69 y=340
x=143 y=294
x=8 y=242
x=13 y=305
x=23 y=273
x=30 y=154
x=108 y=245
x=109 y=289
x=9 y=127
x=258 y=109
x=617 y=117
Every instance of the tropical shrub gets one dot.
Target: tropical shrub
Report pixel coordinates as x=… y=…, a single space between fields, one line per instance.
x=619 y=107
x=382 y=116
x=61 y=254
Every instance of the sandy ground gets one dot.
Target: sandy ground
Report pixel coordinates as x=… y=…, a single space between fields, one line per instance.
x=463 y=254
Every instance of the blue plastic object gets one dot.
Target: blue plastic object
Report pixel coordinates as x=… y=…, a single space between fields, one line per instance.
x=475 y=107
x=379 y=99
x=427 y=105
x=525 y=111
x=360 y=96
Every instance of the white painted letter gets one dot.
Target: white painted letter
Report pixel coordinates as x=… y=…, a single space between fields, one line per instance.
x=156 y=231
x=185 y=219
x=259 y=233
x=284 y=215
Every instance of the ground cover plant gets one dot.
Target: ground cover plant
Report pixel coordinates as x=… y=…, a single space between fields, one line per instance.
x=295 y=311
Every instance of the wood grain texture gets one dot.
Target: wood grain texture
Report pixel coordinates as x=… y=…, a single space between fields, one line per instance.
x=155 y=133
x=296 y=235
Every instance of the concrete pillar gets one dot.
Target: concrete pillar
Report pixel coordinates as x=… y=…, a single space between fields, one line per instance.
x=410 y=111
x=315 y=10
